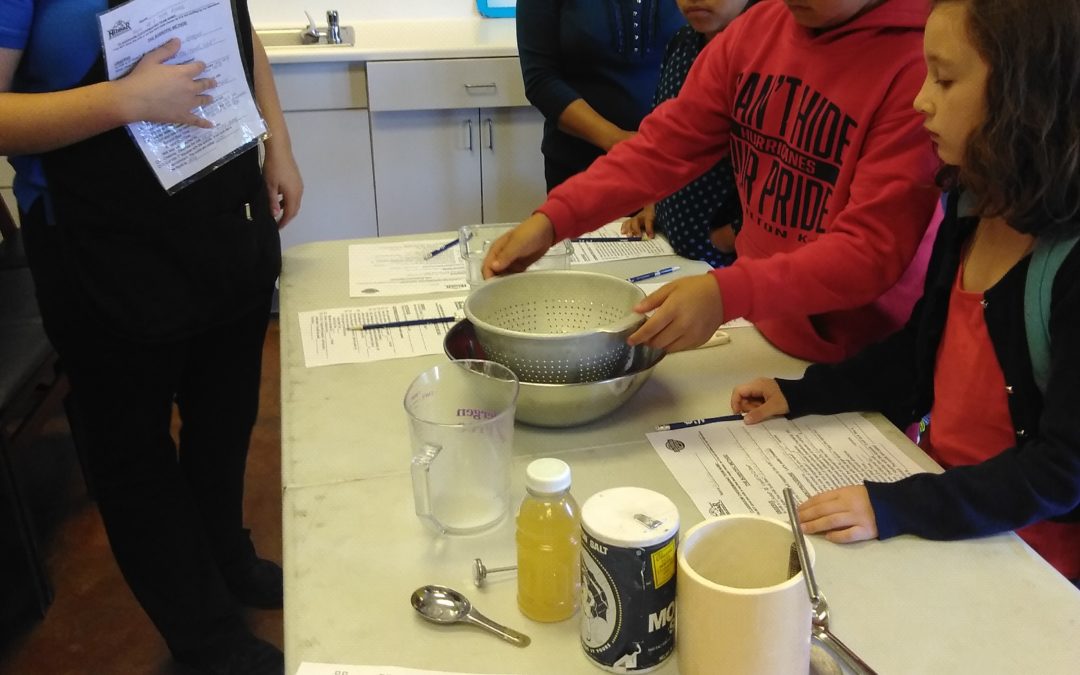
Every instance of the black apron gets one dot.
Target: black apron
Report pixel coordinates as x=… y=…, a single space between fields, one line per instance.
x=146 y=265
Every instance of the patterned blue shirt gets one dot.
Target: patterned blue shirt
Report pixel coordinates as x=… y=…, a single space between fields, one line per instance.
x=711 y=200
x=606 y=52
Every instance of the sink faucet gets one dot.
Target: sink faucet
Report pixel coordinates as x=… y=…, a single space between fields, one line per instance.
x=333 y=28
x=311 y=34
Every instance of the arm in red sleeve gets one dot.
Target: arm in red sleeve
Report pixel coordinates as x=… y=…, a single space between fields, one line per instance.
x=677 y=142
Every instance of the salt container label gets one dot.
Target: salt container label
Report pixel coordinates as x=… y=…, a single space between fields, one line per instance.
x=627 y=603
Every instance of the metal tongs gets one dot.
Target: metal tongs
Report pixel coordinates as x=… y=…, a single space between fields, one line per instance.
x=818 y=606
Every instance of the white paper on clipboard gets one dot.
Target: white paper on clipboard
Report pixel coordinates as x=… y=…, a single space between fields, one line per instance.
x=180 y=154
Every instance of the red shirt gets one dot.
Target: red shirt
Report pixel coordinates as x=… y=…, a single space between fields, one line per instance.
x=970 y=416
x=834 y=169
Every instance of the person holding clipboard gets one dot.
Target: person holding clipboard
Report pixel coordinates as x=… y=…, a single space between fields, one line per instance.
x=153 y=300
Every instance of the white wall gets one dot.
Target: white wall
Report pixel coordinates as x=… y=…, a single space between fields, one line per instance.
x=289 y=12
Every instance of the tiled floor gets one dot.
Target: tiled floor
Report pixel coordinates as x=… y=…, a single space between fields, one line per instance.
x=94 y=626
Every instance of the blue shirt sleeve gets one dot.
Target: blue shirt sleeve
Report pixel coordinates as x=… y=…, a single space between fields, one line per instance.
x=539 y=51
x=16 y=16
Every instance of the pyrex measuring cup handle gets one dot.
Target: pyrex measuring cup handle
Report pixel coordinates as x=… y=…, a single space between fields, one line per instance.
x=421 y=473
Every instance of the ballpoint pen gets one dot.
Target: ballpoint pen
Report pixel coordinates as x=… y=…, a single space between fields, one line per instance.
x=445 y=247
x=604 y=239
x=651 y=275
x=405 y=324
x=697 y=423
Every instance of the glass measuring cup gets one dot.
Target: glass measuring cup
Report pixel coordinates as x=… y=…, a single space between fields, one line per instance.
x=461 y=422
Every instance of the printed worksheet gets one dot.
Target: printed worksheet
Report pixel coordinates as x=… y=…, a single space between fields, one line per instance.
x=331 y=336
x=731 y=467
x=307 y=668
x=389 y=268
x=586 y=252
x=206 y=29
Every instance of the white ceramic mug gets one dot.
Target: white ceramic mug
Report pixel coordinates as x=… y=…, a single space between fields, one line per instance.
x=739 y=610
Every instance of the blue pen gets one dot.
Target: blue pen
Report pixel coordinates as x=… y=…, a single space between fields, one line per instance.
x=697 y=423
x=405 y=324
x=652 y=275
x=445 y=247
x=604 y=239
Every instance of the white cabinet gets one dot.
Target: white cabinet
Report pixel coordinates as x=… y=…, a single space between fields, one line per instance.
x=511 y=164
x=454 y=142
x=427 y=170
x=325 y=110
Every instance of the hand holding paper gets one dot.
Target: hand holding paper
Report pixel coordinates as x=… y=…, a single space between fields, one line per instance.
x=844 y=515
x=158 y=92
x=184 y=48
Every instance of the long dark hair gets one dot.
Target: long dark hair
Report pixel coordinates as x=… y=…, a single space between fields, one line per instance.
x=1023 y=162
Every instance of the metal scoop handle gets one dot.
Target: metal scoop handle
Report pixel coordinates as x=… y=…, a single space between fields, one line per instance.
x=820 y=628
x=836 y=645
x=509 y=634
x=800 y=547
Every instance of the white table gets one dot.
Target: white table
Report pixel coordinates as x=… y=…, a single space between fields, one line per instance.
x=354 y=550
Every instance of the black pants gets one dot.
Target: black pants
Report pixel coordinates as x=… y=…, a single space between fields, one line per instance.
x=173 y=511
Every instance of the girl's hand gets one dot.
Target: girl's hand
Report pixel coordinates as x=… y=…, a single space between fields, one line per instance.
x=723 y=239
x=156 y=92
x=520 y=247
x=688 y=312
x=844 y=515
x=758 y=400
x=641 y=223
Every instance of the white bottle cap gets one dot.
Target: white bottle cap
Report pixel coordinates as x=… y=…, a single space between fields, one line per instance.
x=547 y=476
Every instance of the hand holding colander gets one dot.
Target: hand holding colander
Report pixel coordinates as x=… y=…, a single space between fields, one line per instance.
x=556 y=326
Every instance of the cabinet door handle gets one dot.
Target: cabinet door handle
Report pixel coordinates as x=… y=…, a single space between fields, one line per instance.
x=474 y=88
x=491 y=133
x=468 y=124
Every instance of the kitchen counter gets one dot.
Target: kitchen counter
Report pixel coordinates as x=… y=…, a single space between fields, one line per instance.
x=354 y=550
x=392 y=40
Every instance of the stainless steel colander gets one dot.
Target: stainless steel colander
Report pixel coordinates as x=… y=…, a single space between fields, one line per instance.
x=563 y=405
x=556 y=327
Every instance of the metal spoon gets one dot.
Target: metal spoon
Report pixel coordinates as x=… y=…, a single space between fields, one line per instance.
x=443 y=605
x=818 y=605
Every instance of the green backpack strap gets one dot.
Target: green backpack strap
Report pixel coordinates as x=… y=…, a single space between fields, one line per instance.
x=1047 y=257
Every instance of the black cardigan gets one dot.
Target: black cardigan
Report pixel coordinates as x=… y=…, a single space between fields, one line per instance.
x=1036 y=479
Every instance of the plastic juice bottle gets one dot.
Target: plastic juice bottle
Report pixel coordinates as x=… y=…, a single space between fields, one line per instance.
x=548 y=543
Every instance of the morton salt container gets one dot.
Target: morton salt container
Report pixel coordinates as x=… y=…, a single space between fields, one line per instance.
x=628 y=578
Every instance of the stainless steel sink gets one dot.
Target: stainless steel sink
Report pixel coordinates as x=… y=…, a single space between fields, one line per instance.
x=299 y=37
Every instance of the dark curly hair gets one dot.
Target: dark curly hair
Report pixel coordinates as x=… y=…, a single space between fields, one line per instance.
x=1023 y=162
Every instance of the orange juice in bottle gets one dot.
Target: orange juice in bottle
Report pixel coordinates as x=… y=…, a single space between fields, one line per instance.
x=548 y=543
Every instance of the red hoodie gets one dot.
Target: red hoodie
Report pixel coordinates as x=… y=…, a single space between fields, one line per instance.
x=834 y=170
